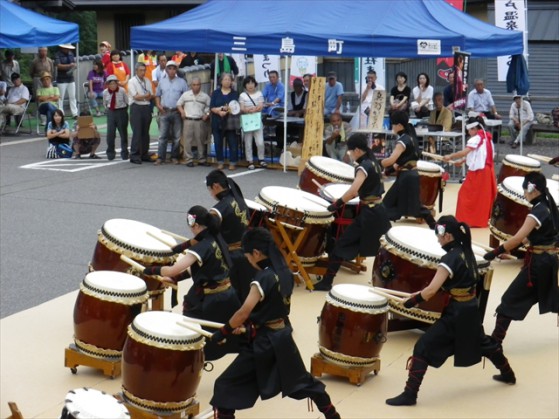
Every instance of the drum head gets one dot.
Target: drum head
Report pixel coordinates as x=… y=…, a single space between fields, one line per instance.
x=131 y=234
x=425 y=166
x=339 y=170
x=553 y=187
x=116 y=283
x=311 y=206
x=255 y=206
x=512 y=187
x=162 y=326
x=334 y=191
x=359 y=296
x=88 y=403
x=522 y=161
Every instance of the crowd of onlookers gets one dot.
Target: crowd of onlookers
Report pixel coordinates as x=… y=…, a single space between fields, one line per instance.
x=187 y=117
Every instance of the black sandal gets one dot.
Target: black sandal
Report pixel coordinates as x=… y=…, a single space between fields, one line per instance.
x=94 y=156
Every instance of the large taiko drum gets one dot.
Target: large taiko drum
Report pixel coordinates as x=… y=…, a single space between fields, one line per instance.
x=87 y=403
x=430 y=182
x=161 y=362
x=106 y=304
x=516 y=165
x=324 y=170
x=257 y=214
x=407 y=261
x=344 y=215
x=301 y=209
x=353 y=325
x=128 y=237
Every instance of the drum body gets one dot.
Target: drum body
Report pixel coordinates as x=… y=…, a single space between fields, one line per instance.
x=300 y=209
x=257 y=214
x=510 y=208
x=345 y=215
x=407 y=261
x=128 y=237
x=161 y=362
x=352 y=325
x=516 y=165
x=430 y=182
x=106 y=304
x=324 y=170
x=86 y=403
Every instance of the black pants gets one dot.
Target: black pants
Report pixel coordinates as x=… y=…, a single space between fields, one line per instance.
x=117 y=120
x=140 y=120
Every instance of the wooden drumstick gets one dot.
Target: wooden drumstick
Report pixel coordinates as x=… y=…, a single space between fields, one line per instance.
x=545 y=159
x=490 y=249
x=176 y=236
x=161 y=239
x=317 y=203
x=393 y=292
x=203 y=322
x=439 y=157
x=385 y=295
x=195 y=329
x=141 y=268
x=323 y=189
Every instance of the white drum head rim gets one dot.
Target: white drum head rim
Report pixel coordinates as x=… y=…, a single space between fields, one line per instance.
x=253 y=205
x=161 y=326
x=89 y=403
x=332 y=168
x=523 y=161
x=425 y=166
x=336 y=190
x=115 y=283
x=511 y=187
x=355 y=297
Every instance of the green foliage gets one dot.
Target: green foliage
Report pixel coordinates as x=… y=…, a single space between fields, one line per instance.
x=87 y=22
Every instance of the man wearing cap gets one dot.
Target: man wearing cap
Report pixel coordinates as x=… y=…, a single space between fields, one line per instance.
x=47 y=96
x=40 y=65
x=169 y=90
x=8 y=67
x=333 y=95
x=66 y=64
x=115 y=101
x=18 y=95
x=105 y=49
x=521 y=119
x=140 y=96
x=273 y=92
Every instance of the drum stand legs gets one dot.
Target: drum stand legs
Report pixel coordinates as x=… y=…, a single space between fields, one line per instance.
x=138 y=413
x=356 y=375
x=73 y=358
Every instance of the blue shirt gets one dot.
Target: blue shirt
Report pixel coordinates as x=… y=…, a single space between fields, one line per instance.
x=331 y=97
x=170 y=91
x=272 y=93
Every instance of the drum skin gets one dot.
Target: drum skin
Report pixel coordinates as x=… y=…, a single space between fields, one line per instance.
x=508 y=215
x=102 y=323
x=160 y=375
x=352 y=333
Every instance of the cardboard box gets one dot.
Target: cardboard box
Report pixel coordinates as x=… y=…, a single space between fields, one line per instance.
x=84 y=130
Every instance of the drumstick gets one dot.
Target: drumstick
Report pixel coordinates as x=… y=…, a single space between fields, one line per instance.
x=490 y=249
x=176 y=236
x=323 y=189
x=195 y=329
x=161 y=239
x=141 y=268
x=545 y=159
x=206 y=323
x=438 y=157
x=317 y=203
x=393 y=292
x=389 y=296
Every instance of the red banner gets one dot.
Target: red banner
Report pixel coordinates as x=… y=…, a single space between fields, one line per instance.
x=459 y=4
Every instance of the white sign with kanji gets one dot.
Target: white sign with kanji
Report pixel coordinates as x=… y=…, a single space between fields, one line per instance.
x=263 y=64
x=509 y=15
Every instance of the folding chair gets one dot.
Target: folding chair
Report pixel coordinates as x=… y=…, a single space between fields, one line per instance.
x=24 y=115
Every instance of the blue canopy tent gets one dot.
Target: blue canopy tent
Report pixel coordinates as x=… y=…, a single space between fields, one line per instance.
x=24 y=28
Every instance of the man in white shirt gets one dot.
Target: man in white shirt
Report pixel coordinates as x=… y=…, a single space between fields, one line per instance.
x=140 y=96
x=159 y=72
x=367 y=97
x=521 y=119
x=18 y=96
x=480 y=100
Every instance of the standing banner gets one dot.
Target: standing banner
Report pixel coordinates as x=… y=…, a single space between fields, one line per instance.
x=301 y=65
x=263 y=64
x=368 y=64
x=510 y=15
x=376 y=115
x=314 y=120
x=240 y=59
x=461 y=70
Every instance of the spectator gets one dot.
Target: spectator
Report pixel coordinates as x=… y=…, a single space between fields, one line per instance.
x=17 y=97
x=105 y=49
x=47 y=96
x=40 y=65
x=66 y=64
x=400 y=94
x=58 y=132
x=3 y=90
x=273 y=92
x=481 y=101
x=96 y=78
x=115 y=101
x=223 y=123
x=85 y=139
x=159 y=72
x=149 y=58
x=422 y=96
x=252 y=102
x=521 y=119
x=448 y=92
x=298 y=102
x=439 y=116
x=178 y=57
x=367 y=97
x=190 y=59
x=139 y=96
x=8 y=67
x=167 y=95
x=333 y=96
x=225 y=64
x=119 y=69
x=194 y=107
x=336 y=134
x=307 y=81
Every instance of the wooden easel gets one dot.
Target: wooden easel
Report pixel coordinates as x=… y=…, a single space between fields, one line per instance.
x=356 y=375
x=73 y=358
x=138 y=413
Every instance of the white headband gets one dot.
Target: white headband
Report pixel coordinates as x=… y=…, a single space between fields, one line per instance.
x=472 y=125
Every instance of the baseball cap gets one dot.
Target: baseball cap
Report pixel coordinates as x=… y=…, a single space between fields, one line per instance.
x=332 y=75
x=112 y=77
x=171 y=63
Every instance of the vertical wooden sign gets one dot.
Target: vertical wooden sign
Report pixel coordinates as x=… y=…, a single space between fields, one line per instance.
x=376 y=117
x=314 y=120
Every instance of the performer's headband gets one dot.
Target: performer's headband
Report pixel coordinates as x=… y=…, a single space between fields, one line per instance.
x=440 y=229
x=472 y=125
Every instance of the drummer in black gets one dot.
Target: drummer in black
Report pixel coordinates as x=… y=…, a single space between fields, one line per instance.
x=211 y=296
x=458 y=331
x=402 y=199
x=361 y=237
x=271 y=363
x=537 y=281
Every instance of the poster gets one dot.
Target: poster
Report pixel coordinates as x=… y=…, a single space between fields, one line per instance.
x=461 y=70
x=263 y=64
x=301 y=65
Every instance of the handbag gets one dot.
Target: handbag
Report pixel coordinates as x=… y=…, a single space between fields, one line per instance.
x=64 y=151
x=251 y=121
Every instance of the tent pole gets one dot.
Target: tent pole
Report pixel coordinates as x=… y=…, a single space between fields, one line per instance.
x=359 y=93
x=520 y=119
x=286 y=85
x=78 y=90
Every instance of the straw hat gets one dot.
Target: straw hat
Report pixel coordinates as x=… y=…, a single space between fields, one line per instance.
x=46 y=74
x=67 y=46
x=106 y=44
